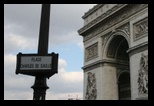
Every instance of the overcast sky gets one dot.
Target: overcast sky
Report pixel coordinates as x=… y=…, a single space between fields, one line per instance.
x=21 y=32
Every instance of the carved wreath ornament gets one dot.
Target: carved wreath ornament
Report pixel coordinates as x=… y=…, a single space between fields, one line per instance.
x=91 y=91
x=143 y=75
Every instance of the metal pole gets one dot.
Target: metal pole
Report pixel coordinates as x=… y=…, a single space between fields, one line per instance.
x=44 y=30
x=40 y=88
x=40 y=85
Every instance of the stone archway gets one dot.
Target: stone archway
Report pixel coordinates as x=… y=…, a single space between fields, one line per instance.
x=116 y=52
x=124 y=86
x=115 y=38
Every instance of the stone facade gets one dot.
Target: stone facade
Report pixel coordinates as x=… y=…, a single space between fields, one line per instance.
x=115 y=38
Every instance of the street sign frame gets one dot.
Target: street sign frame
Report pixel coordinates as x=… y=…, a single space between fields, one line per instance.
x=38 y=72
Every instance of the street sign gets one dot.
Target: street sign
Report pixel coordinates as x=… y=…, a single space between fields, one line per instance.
x=35 y=64
x=41 y=65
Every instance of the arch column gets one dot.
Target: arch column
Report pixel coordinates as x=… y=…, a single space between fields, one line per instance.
x=116 y=52
x=109 y=82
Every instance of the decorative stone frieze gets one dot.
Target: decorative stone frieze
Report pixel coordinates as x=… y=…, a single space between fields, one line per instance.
x=103 y=16
x=91 y=91
x=143 y=75
x=140 y=29
x=91 y=52
x=127 y=11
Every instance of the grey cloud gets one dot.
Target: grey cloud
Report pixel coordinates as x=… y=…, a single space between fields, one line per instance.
x=26 y=16
x=24 y=20
x=64 y=18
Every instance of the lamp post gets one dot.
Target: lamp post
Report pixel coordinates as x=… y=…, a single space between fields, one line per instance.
x=41 y=65
x=40 y=85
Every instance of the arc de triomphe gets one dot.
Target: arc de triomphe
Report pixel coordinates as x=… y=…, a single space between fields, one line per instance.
x=115 y=38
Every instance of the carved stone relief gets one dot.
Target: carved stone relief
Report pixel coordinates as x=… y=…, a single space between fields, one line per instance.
x=91 y=52
x=91 y=91
x=112 y=20
x=140 y=29
x=125 y=28
x=143 y=75
x=105 y=38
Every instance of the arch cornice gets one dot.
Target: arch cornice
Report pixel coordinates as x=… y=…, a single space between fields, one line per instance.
x=113 y=35
x=124 y=34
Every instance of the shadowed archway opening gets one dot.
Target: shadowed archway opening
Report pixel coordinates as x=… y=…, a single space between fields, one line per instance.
x=124 y=86
x=117 y=51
